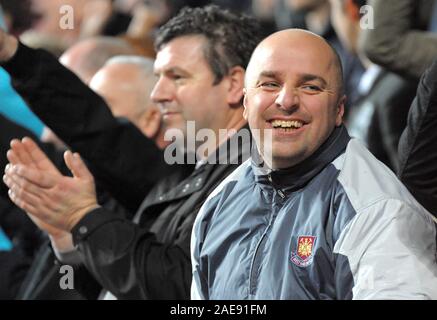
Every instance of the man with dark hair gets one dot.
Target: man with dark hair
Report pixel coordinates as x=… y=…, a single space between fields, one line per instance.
x=223 y=49
x=149 y=258
x=322 y=218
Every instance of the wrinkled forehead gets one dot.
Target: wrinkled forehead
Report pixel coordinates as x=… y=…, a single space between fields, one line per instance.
x=291 y=60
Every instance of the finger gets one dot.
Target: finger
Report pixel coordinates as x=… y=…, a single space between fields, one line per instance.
x=12 y=157
x=16 y=183
x=37 y=155
x=41 y=198
x=34 y=175
x=77 y=166
x=21 y=153
x=7 y=180
x=26 y=206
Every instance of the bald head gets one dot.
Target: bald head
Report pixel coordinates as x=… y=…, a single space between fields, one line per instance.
x=299 y=47
x=86 y=57
x=125 y=82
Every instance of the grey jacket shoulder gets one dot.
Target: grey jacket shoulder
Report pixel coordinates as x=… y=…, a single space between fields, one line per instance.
x=399 y=29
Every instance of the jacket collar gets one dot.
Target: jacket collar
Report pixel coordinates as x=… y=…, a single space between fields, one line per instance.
x=224 y=156
x=296 y=177
x=225 y=153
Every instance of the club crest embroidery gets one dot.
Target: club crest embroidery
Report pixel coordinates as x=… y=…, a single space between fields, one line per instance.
x=303 y=256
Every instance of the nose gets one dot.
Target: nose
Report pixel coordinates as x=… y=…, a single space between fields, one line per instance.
x=288 y=98
x=162 y=91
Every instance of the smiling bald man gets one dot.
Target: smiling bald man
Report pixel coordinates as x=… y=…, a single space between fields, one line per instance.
x=320 y=218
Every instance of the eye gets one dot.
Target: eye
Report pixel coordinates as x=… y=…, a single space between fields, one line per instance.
x=311 y=88
x=177 y=77
x=269 y=85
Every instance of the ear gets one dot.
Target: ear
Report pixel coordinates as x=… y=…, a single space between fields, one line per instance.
x=352 y=10
x=236 y=85
x=340 y=111
x=245 y=111
x=150 y=122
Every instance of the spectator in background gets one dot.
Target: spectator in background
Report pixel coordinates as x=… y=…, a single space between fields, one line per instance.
x=86 y=57
x=379 y=116
x=317 y=19
x=400 y=40
x=126 y=82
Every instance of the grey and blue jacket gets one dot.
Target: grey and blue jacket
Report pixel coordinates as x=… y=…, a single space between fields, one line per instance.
x=339 y=225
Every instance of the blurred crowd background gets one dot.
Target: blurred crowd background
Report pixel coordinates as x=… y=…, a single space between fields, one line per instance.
x=384 y=49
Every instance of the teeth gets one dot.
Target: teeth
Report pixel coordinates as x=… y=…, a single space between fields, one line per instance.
x=286 y=124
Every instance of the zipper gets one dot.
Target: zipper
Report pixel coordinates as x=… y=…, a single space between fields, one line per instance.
x=278 y=190
x=261 y=243
x=256 y=262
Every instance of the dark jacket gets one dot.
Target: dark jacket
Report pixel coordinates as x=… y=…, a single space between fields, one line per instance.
x=148 y=259
x=418 y=144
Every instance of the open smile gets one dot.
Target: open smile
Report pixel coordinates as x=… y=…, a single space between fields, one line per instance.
x=286 y=127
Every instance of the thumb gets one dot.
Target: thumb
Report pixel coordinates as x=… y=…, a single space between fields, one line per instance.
x=77 y=166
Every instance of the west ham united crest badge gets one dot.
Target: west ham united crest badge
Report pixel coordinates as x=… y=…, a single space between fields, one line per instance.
x=303 y=256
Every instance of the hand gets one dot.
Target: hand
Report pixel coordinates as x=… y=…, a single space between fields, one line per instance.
x=8 y=46
x=61 y=240
x=40 y=189
x=20 y=156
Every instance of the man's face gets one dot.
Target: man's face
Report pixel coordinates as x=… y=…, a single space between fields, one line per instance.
x=185 y=91
x=292 y=88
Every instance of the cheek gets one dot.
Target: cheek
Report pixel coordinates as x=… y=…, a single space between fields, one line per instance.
x=325 y=120
x=257 y=105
